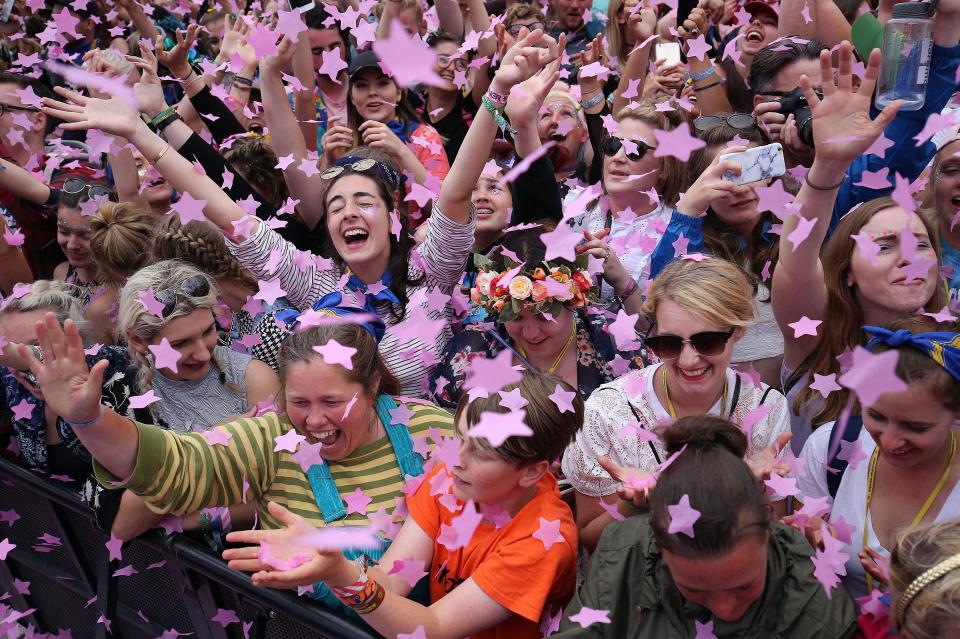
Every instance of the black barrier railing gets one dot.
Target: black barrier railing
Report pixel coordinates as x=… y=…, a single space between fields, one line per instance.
x=161 y=584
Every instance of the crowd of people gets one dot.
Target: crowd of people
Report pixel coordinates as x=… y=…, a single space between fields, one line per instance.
x=498 y=319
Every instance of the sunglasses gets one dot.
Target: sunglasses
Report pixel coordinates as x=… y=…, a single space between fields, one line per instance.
x=194 y=286
x=611 y=146
x=73 y=186
x=514 y=29
x=739 y=121
x=708 y=344
x=458 y=63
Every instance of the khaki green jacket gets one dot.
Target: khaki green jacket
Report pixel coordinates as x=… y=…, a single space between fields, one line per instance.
x=628 y=577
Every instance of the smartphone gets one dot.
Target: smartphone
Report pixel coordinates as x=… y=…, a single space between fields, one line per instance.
x=302 y=6
x=684 y=7
x=668 y=52
x=757 y=164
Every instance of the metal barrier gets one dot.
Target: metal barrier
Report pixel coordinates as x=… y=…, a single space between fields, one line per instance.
x=160 y=584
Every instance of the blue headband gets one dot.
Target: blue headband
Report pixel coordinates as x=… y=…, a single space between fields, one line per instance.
x=329 y=304
x=361 y=165
x=943 y=348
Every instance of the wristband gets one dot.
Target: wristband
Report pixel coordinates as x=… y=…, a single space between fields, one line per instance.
x=247 y=82
x=834 y=187
x=627 y=292
x=195 y=78
x=167 y=121
x=497 y=98
x=702 y=75
x=162 y=116
x=594 y=101
x=497 y=113
x=82 y=425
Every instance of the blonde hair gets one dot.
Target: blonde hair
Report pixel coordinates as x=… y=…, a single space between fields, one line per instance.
x=120 y=239
x=136 y=320
x=200 y=244
x=615 y=34
x=51 y=296
x=934 y=610
x=714 y=290
x=673 y=173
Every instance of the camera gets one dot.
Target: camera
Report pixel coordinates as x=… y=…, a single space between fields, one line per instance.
x=796 y=103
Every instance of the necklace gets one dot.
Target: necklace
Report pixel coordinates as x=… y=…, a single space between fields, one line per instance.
x=666 y=394
x=932 y=497
x=566 y=347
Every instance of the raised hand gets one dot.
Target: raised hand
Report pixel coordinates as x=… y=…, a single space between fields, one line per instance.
x=711 y=186
x=695 y=24
x=642 y=24
x=148 y=91
x=379 y=136
x=289 y=561
x=114 y=116
x=524 y=58
x=277 y=64
x=71 y=389
x=614 y=271
x=337 y=140
x=593 y=53
x=842 y=128
x=671 y=76
x=524 y=102
x=636 y=484
x=765 y=462
x=176 y=58
x=234 y=37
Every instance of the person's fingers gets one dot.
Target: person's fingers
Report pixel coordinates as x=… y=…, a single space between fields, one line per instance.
x=886 y=116
x=252 y=536
x=243 y=552
x=845 y=68
x=872 y=71
x=765 y=108
x=781 y=442
x=286 y=578
x=247 y=565
x=615 y=471
x=826 y=74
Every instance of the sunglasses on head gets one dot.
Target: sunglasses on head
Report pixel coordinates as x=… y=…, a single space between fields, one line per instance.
x=739 y=121
x=708 y=344
x=611 y=146
x=73 y=186
x=194 y=286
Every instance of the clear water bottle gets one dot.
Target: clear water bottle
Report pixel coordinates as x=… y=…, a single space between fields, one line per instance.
x=907 y=45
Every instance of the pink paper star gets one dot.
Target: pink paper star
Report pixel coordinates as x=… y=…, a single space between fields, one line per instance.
x=852 y=452
x=419 y=633
x=5 y=548
x=410 y=570
x=783 y=486
x=165 y=356
x=588 y=616
x=114 y=548
x=411 y=60
x=682 y=517
x=142 y=401
x=549 y=532
x=875 y=179
x=497 y=427
x=680 y=245
x=492 y=374
x=943 y=315
x=269 y=291
x=9 y=517
x=308 y=455
x=22 y=410
x=805 y=326
x=698 y=48
x=872 y=375
x=288 y=441
x=189 y=208
x=332 y=64
x=561 y=243
x=704 y=630
x=825 y=384
x=66 y=22
x=867 y=247
x=563 y=399
x=357 y=502
x=225 y=617
x=773 y=198
x=290 y=24
x=333 y=352
x=263 y=41
x=153 y=306
x=624 y=329
x=217 y=437
x=460 y=531
x=512 y=399
x=677 y=143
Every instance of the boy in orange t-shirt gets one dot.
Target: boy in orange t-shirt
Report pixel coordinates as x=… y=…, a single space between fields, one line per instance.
x=491 y=533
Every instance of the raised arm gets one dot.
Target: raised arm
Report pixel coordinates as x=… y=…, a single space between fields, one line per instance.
x=286 y=134
x=842 y=132
x=642 y=23
x=22 y=183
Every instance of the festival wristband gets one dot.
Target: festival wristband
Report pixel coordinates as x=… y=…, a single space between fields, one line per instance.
x=594 y=101
x=86 y=424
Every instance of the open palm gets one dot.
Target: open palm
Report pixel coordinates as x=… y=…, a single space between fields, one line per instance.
x=71 y=389
x=842 y=128
x=114 y=116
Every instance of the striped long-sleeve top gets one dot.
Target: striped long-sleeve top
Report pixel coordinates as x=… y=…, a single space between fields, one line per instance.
x=412 y=344
x=183 y=473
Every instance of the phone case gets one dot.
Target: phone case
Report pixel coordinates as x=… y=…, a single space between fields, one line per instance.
x=669 y=52
x=757 y=164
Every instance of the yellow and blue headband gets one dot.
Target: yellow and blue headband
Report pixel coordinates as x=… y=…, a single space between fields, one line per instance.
x=943 y=347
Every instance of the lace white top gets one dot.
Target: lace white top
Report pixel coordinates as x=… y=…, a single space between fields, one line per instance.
x=615 y=410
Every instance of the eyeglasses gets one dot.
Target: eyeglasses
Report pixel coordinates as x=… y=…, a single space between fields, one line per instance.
x=194 y=286
x=708 y=343
x=514 y=29
x=13 y=107
x=73 y=186
x=445 y=60
x=611 y=146
x=739 y=121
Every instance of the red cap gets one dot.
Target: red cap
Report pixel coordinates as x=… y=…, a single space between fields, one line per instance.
x=770 y=6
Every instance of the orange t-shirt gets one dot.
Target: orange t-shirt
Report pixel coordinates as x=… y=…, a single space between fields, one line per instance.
x=511 y=566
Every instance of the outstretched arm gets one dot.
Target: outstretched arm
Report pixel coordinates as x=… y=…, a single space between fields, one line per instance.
x=843 y=131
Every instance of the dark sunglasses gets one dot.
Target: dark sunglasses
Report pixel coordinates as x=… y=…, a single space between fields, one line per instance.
x=194 y=286
x=611 y=146
x=739 y=121
x=73 y=186
x=708 y=343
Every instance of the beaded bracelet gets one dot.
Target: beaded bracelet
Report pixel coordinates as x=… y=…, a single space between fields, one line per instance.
x=702 y=75
x=594 y=101
x=497 y=113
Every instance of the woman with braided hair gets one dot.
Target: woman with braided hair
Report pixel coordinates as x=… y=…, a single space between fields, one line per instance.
x=252 y=324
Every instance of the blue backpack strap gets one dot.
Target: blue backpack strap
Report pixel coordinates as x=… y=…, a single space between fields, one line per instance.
x=410 y=462
x=835 y=465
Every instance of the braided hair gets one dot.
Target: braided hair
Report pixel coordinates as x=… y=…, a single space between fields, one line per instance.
x=200 y=244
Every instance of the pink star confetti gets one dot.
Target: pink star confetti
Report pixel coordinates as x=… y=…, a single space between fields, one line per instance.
x=492 y=374
x=460 y=531
x=872 y=375
x=496 y=428
x=549 y=532
x=288 y=441
x=805 y=326
x=589 y=616
x=563 y=399
x=189 y=208
x=165 y=356
x=333 y=352
x=825 y=384
x=410 y=570
x=411 y=60
x=142 y=401
x=357 y=502
x=682 y=517
x=677 y=143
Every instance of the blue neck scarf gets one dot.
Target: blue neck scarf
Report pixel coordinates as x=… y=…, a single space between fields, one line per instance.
x=943 y=348
x=401 y=129
x=331 y=304
x=386 y=295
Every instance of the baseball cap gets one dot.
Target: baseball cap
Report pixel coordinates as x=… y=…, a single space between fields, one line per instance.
x=770 y=6
x=363 y=60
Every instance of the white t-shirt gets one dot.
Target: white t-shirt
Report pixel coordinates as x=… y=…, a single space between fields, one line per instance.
x=850 y=502
x=613 y=409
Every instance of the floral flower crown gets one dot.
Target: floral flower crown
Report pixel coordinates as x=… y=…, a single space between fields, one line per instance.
x=546 y=289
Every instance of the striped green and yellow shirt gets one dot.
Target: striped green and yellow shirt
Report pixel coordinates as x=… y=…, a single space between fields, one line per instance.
x=182 y=473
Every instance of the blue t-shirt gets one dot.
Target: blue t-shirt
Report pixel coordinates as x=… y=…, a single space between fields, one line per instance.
x=951 y=269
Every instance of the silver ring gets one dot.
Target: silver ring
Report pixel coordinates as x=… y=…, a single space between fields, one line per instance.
x=695 y=31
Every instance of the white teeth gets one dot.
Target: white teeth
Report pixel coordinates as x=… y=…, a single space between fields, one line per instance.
x=355 y=233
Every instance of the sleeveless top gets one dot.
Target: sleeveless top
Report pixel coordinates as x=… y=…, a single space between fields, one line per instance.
x=763 y=338
x=205 y=402
x=84 y=291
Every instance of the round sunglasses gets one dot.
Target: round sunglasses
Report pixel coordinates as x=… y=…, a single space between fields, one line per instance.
x=738 y=121
x=611 y=146
x=73 y=186
x=708 y=344
x=194 y=286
